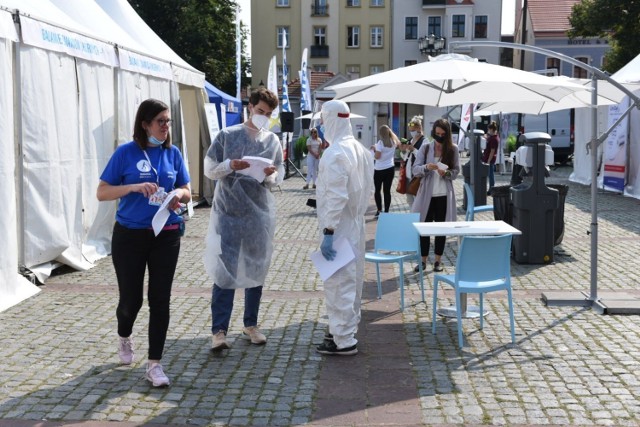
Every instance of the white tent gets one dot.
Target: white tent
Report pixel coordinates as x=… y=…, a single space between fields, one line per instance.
x=630 y=73
x=76 y=71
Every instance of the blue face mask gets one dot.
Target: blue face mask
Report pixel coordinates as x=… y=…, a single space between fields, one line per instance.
x=155 y=141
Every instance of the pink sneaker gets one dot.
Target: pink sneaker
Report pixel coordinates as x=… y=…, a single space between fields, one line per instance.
x=125 y=350
x=156 y=376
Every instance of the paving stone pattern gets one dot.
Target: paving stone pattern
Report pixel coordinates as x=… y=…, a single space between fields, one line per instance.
x=570 y=365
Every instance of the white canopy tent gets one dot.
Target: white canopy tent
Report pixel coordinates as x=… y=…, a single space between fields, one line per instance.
x=76 y=73
x=630 y=73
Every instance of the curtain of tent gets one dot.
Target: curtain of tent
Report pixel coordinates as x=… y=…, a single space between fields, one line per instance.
x=97 y=133
x=633 y=185
x=51 y=159
x=13 y=287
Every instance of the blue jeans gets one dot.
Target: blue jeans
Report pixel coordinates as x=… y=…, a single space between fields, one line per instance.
x=492 y=177
x=222 y=306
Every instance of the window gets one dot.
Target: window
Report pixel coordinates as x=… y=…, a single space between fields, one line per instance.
x=283 y=36
x=411 y=28
x=319 y=36
x=375 y=69
x=353 y=72
x=376 y=36
x=282 y=3
x=353 y=3
x=280 y=73
x=377 y=3
x=457 y=26
x=579 y=72
x=409 y=62
x=434 y=25
x=319 y=8
x=481 y=27
x=353 y=36
x=321 y=68
x=553 y=64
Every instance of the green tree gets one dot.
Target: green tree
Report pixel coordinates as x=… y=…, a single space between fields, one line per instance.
x=202 y=32
x=618 y=21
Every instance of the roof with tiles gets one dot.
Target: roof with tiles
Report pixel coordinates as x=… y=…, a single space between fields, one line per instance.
x=316 y=78
x=550 y=16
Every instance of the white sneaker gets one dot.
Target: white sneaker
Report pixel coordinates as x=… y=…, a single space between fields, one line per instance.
x=253 y=333
x=125 y=350
x=156 y=376
x=219 y=341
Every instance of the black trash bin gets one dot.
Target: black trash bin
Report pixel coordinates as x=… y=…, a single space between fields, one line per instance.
x=502 y=204
x=558 y=214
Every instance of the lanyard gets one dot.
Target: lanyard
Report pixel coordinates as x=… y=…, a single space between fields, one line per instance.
x=157 y=172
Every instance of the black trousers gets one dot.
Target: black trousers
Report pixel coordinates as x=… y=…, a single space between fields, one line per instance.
x=382 y=179
x=132 y=251
x=437 y=213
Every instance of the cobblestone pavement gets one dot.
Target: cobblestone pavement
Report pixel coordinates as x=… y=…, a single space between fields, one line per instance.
x=569 y=366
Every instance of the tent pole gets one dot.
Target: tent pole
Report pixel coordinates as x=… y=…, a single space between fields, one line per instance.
x=594 y=189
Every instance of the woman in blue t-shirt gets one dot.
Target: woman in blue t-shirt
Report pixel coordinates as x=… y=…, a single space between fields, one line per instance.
x=142 y=174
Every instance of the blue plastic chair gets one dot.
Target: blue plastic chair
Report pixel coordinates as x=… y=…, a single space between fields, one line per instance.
x=483 y=265
x=397 y=240
x=471 y=208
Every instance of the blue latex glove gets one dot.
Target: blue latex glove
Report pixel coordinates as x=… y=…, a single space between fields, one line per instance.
x=327 y=248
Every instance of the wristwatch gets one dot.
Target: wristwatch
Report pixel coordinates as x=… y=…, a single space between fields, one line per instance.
x=327 y=232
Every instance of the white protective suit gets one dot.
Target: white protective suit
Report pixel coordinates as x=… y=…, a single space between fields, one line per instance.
x=243 y=212
x=344 y=190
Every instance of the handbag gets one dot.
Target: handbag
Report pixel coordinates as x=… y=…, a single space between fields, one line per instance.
x=414 y=185
x=402 y=179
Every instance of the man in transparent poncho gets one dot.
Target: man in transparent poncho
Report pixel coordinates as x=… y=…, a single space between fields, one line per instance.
x=344 y=189
x=243 y=217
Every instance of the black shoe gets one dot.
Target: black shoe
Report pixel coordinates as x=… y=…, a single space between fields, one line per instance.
x=328 y=336
x=329 y=347
x=417 y=269
x=437 y=267
x=377 y=214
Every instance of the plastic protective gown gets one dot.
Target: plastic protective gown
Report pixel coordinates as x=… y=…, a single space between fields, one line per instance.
x=243 y=213
x=344 y=190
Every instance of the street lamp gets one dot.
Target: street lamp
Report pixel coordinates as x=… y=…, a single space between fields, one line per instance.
x=431 y=44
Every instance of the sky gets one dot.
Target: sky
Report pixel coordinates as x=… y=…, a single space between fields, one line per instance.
x=508 y=16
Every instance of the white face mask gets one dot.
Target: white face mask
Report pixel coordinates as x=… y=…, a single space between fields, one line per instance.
x=413 y=133
x=260 y=121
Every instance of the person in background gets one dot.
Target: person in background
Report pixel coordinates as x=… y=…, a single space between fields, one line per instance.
x=314 y=148
x=410 y=149
x=142 y=173
x=344 y=191
x=384 y=153
x=516 y=170
x=439 y=164
x=239 y=243
x=490 y=152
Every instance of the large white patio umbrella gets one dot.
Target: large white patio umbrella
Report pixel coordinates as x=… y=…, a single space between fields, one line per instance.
x=607 y=94
x=454 y=79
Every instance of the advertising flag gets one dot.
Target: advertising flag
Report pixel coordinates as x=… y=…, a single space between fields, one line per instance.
x=285 y=76
x=238 y=55
x=305 y=88
x=272 y=85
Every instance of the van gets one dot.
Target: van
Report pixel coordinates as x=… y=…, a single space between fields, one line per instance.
x=559 y=126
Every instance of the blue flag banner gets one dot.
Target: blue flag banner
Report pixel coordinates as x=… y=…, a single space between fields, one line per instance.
x=285 y=76
x=305 y=88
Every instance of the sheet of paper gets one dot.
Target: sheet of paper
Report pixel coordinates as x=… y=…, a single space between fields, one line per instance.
x=256 y=168
x=161 y=217
x=344 y=255
x=442 y=166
